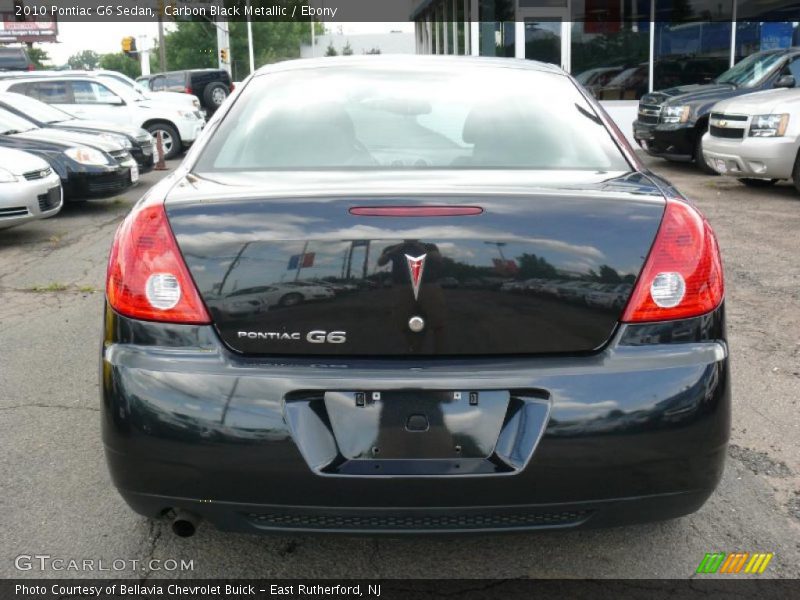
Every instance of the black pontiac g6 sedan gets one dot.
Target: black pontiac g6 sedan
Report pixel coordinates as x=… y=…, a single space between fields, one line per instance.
x=434 y=295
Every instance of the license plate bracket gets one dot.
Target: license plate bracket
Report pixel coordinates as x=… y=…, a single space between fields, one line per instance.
x=416 y=424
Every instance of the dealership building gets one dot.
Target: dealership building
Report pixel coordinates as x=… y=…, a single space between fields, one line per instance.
x=618 y=49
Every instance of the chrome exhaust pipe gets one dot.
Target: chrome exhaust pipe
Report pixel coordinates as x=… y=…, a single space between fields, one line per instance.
x=185 y=523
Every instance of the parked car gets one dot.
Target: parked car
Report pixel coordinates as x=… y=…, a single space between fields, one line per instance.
x=609 y=295
x=405 y=408
x=29 y=188
x=89 y=98
x=140 y=143
x=186 y=100
x=13 y=58
x=211 y=86
x=671 y=122
x=246 y=301
x=89 y=166
x=756 y=138
x=626 y=85
x=594 y=79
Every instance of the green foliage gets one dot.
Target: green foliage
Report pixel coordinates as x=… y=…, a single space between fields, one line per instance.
x=373 y=51
x=347 y=50
x=330 y=50
x=86 y=60
x=119 y=62
x=193 y=45
x=39 y=57
x=532 y=266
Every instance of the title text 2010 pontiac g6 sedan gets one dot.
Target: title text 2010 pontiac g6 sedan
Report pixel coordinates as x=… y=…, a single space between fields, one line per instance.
x=424 y=390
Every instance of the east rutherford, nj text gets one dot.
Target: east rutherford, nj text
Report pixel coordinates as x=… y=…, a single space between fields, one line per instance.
x=233 y=12
x=210 y=590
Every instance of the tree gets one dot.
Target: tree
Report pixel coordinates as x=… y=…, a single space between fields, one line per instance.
x=373 y=51
x=532 y=266
x=347 y=50
x=330 y=50
x=38 y=57
x=119 y=62
x=193 y=44
x=84 y=61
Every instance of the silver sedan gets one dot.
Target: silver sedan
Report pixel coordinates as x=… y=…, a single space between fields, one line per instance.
x=29 y=188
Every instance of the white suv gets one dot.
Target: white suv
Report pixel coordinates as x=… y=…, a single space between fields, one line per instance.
x=88 y=97
x=189 y=101
x=756 y=137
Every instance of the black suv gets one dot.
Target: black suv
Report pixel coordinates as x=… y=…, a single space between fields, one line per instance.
x=15 y=59
x=211 y=86
x=671 y=122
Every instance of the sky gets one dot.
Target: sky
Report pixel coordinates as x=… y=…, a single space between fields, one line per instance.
x=75 y=37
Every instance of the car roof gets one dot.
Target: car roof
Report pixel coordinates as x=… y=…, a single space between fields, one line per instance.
x=409 y=61
x=207 y=70
x=45 y=75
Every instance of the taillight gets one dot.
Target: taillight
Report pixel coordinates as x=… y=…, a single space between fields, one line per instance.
x=189 y=90
x=233 y=87
x=683 y=274
x=147 y=278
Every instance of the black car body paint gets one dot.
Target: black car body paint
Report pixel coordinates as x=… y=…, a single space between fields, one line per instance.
x=605 y=424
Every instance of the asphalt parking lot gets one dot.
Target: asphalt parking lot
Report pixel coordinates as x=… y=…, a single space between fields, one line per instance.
x=57 y=498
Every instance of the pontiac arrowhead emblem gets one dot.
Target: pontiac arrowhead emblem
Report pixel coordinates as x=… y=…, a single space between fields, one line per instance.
x=415 y=268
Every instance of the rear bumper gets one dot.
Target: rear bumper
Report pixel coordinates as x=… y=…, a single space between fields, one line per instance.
x=765 y=158
x=635 y=433
x=260 y=518
x=672 y=141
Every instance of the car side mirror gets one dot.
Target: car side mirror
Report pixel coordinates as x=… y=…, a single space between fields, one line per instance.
x=115 y=101
x=785 y=81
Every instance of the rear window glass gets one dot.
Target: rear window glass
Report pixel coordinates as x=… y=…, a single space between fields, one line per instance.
x=383 y=118
x=176 y=80
x=13 y=59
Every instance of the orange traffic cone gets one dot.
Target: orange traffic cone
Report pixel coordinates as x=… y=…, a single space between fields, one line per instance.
x=161 y=165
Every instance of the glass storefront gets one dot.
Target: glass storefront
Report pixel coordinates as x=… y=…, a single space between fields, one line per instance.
x=497 y=32
x=624 y=50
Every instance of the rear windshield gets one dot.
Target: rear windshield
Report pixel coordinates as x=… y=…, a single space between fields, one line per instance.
x=13 y=58
x=389 y=118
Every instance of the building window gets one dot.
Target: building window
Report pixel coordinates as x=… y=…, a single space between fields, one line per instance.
x=689 y=46
x=610 y=55
x=448 y=25
x=754 y=36
x=497 y=27
x=460 y=33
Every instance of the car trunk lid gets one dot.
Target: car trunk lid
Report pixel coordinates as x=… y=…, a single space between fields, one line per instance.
x=545 y=268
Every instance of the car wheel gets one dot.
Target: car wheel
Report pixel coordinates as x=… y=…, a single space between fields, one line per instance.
x=214 y=95
x=699 y=161
x=796 y=173
x=758 y=183
x=170 y=139
x=292 y=299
